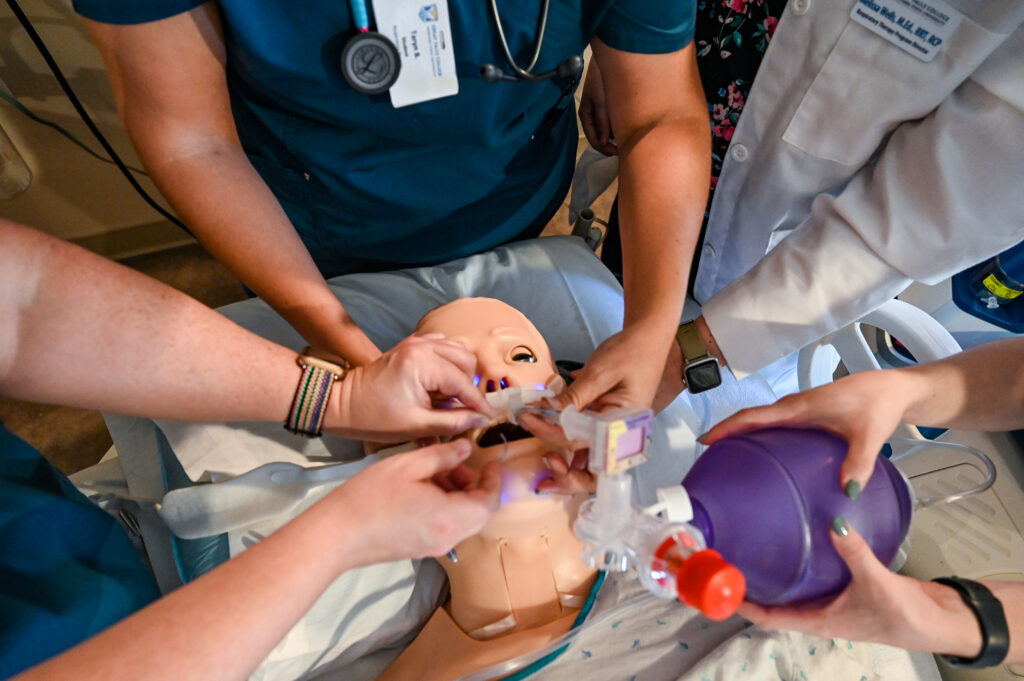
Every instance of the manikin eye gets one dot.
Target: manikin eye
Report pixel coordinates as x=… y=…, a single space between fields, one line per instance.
x=523 y=354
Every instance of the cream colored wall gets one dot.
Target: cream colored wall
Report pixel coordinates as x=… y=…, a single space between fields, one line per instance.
x=73 y=195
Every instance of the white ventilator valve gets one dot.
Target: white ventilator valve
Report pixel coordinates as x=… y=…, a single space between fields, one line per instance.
x=675 y=503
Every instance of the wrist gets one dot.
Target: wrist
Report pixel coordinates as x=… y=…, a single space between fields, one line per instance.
x=316 y=393
x=339 y=409
x=953 y=628
x=916 y=389
x=709 y=340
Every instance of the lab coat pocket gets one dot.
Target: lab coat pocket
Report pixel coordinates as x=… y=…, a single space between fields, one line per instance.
x=867 y=86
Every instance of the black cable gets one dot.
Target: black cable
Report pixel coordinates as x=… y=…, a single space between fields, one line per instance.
x=66 y=87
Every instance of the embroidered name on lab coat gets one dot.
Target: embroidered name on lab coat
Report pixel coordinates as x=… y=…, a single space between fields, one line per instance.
x=918 y=27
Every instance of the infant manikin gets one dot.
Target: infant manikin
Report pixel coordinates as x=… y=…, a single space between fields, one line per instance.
x=520 y=582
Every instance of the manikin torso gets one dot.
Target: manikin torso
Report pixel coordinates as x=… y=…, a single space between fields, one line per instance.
x=520 y=582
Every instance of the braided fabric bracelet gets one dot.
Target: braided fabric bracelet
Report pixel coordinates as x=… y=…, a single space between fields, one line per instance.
x=309 y=406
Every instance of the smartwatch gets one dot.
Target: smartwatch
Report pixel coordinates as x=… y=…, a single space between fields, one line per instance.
x=309 y=406
x=700 y=367
x=995 y=635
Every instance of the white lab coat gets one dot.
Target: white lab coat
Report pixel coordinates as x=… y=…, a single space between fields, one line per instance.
x=861 y=168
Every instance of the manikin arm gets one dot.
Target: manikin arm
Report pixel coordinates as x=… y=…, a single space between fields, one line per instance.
x=169 y=81
x=659 y=115
x=78 y=330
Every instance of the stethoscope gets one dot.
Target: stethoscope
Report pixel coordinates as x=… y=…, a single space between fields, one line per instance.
x=568 y=68
x=370 y=62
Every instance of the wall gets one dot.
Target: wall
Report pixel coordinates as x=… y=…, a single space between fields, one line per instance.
x=73 y=195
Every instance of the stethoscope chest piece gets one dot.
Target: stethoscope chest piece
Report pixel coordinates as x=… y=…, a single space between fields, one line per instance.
x=370 y=62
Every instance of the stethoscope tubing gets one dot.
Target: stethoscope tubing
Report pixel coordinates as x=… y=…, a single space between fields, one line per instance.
x=526 y=73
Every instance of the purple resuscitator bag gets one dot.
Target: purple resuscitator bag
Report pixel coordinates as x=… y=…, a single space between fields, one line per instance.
x=765 y=500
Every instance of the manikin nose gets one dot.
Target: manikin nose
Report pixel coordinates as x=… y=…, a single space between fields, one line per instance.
x=491 y=385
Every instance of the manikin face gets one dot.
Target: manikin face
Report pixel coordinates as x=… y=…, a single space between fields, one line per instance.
x=510 y=353
x=509 y=350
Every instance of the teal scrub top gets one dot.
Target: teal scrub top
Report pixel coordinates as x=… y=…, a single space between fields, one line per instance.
x=67 y=570
x=372 y=187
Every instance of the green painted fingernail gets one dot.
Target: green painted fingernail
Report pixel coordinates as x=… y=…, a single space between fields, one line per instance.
x=852 y=490
x=839 y=526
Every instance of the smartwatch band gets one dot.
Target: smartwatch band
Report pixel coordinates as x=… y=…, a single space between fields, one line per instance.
x=309 y=406
x=995 y=635
x=690 y=342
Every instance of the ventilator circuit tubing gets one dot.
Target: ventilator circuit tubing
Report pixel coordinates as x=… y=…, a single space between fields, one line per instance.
x=990 y=471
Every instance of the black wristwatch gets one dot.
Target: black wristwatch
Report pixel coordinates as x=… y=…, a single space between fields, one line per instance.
x=995 y=636
x=700 y=368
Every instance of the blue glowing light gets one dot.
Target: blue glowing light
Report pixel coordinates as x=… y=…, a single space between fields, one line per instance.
x=476 y=381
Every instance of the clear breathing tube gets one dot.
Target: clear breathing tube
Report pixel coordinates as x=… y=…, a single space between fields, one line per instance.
x=990 y=471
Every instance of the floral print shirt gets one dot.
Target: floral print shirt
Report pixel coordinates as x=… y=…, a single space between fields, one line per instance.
x=731 y=39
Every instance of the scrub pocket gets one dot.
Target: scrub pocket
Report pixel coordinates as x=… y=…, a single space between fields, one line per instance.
x=867 y=86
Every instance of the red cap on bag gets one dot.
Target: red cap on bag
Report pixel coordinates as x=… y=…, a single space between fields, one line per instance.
x=710 y=584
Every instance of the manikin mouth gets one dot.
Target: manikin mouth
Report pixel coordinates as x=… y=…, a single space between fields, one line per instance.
x=501 y=433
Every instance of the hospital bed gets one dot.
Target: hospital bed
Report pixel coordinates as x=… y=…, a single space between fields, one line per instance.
x=366 y=617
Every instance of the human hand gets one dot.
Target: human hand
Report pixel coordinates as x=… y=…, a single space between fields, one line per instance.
x=401 y=512
x=567 y=462
x=597 y=125
x=624 y=371
x=569 y=474
x=862 y=408
x=880 y=606
x=421 y=387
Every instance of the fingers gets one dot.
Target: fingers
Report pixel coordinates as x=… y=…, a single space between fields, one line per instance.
x=588 y=125
x=582 y=392
x=459 y=478
x=752 y=611
x=452 y=421
x=858 y=465
x=423 y=464
x=567 y=479
x=746 y=420
x=488 y=488
x=854 y=551
x=603 y=125
x=538 y=427
x=452 y=383
x=789 y=619
x=456 y=353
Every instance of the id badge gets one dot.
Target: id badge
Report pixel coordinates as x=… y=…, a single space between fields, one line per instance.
x=421 y=30
x=918 y=27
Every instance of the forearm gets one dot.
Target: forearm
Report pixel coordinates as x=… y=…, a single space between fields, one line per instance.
x=819 y=279
x=82 y=331
x=252 y=236
x=980 y=389
x=663 y=180
x=222 y=625
x=181 y=123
